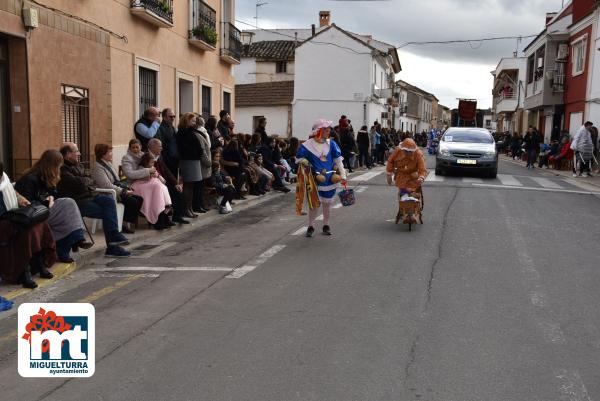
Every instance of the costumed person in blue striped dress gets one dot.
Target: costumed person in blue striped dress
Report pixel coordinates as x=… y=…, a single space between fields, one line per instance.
x=322 y=171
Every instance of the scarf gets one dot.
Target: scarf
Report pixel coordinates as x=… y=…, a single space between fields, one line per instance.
x=8 y=193
x=306 y=188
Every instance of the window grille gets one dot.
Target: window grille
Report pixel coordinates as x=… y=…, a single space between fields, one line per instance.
x=75 y=119
x=148 y=91
x=206 y=102
x=227 y=102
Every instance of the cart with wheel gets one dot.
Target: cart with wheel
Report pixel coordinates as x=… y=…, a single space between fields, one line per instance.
x=411 y=212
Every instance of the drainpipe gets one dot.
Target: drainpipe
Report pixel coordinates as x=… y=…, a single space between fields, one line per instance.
x=313 y=30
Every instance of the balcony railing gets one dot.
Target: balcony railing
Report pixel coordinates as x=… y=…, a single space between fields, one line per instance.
x=157 y=12
x=203 y=32
x=559 y=83
x=231 y=44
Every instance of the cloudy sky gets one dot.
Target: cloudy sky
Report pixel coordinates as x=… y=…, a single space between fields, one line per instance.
x=448 y=71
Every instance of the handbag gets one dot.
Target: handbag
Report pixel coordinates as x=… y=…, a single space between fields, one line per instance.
x=347 y=196
x=27 y=216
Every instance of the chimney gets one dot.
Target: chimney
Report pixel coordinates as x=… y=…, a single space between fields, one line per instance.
x=324 y=18
x=313 y=30
x=549 y=17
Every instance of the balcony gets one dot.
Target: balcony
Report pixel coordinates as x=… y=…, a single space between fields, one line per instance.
x=203 y=30
x=156 y=12
x=231 y=44
x=506 y=103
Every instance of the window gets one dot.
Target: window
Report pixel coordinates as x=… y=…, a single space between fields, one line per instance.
x=206 y=102
x=255 y=121
x=281 y=67
x=75 y=120
x=530 y=68
x=579 y=55
x=148 y=89
x=227 y=101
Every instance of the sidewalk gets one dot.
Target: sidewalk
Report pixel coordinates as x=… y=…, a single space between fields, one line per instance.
x=594 y=180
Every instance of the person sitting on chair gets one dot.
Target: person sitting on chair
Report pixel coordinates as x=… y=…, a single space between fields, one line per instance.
x=406 y=166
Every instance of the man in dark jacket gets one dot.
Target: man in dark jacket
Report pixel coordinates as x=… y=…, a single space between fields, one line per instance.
x=166 y=134
x=155 y=148
x=74 y=183
x=348 y=144
x=363 y=142
x=223 y=124
x=531 y=142
x=266 y=150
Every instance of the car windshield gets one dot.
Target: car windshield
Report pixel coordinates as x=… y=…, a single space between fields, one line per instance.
x=466 y=136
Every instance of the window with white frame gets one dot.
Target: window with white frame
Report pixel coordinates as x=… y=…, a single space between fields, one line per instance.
x=579 y=55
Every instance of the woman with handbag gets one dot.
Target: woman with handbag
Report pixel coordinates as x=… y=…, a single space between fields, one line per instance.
x=106 y=177
x=23 y=251
x=38 y=185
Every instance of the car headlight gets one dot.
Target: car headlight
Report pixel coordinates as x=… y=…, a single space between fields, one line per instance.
x=444 y=152
x=490 y=153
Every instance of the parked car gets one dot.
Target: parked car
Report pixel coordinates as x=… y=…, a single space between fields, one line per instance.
x=467 y=150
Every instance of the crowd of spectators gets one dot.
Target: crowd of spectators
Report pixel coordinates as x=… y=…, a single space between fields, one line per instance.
x=576 y=152
x=172 y=171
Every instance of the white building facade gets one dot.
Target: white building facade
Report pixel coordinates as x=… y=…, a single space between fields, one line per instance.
x=341 y=73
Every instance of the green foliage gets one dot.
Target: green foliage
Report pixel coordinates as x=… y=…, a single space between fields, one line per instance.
x=206 y=33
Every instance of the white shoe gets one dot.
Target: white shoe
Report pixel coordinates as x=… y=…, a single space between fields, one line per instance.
x=412 y=199
x=404 y=198
x=575 y=175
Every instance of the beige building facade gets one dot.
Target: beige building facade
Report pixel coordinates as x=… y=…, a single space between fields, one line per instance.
x=87 y=70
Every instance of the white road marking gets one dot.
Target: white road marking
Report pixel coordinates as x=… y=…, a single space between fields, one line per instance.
x=366 y=176
x=581 y=184
x=361 y=189
x=337 y=206
x=319 y=217
x=166 y=269
x=568 y=191
x=572 y=386
x=300 y=231
x=471 y=179
x=123 y=275
x=506 y=179
x=253 y=264
x=546 y=183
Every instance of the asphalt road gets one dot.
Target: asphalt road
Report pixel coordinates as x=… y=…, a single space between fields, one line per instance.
x=494 y=298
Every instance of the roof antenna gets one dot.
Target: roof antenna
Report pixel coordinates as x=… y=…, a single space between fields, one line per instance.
x=258 y=4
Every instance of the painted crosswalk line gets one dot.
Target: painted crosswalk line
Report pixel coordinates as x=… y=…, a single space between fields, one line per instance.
x=432 y=177
x=366 y=176
x=506 y=179
x=472 y=180
x=546 y=183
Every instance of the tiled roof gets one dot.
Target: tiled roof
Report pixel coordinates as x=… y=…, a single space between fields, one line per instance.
x=264 y=94
x=272 y=50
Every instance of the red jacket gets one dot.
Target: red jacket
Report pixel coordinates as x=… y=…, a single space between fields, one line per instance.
x=565 y=152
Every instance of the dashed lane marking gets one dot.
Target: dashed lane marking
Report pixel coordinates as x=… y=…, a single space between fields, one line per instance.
x=300 y=231
x=253 y=264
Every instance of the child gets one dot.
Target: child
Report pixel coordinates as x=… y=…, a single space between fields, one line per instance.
x=223 y=185
x=157 y=202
